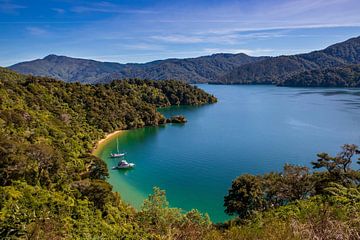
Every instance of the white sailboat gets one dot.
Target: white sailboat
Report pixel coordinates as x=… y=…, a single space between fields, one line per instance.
x=117 y=154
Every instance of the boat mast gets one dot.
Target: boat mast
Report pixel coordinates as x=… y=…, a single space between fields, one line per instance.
x=117 y=145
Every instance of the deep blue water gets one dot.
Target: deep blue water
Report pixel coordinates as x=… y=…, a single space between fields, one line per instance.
x=252 y=129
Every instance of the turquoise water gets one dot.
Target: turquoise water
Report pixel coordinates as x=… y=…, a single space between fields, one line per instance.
x=252 y=129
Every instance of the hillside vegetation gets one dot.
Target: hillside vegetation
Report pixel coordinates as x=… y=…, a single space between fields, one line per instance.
x=53 y=188
x=275 y=70
x=348 y=76
x=201 y=69
x=217 y=68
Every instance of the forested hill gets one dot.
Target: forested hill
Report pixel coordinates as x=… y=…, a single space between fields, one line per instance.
x=348 y=76
x=276 y=69
x=51 y=187
x=201 y=69
x=50 y=184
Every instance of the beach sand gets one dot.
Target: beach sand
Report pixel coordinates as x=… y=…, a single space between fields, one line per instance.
x=100 y=144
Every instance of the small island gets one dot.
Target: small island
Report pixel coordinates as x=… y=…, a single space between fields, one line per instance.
x=176 y=119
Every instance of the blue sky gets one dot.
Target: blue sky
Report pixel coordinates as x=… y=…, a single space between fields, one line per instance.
x=144 y=30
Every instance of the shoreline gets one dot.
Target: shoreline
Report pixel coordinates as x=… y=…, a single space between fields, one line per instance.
x=102 y=142
x=121 y=187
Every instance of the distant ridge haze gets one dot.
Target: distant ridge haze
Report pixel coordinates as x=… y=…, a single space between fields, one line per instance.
x=221 y=68
x=201 y=69
x=276 y=70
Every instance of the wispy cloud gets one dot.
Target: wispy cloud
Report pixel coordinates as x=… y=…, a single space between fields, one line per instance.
x=233 y=36
x=142 y=46
x=107 y=7
x=36 y=31
x=178 y=39
x=8 y=7
x=147 y=30
x=59 y=10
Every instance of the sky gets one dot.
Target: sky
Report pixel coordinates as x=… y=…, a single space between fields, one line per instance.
x=143 y=30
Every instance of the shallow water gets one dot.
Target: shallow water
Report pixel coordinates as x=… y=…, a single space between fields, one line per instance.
x=252 y=129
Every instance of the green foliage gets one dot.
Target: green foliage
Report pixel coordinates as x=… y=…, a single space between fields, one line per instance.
x=245 y=196
x=345 y=76
x=314 y=69
x=319 y=217
x=201 y=69
x=297 y=204
x=51 y=186
x=158 y=218
x=338 y=168
x=250 y=194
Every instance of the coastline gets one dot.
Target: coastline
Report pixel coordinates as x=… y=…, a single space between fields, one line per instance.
x=127 y=191
x=102 y=142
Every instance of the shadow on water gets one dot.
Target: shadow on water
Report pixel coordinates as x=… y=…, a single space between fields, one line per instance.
x=342 y=96
x=124 y=172
x=326 y=92
x=181 y=110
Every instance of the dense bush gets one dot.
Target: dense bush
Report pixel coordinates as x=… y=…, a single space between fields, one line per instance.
x=347 y=76
x=297 y=203
x=51 y=186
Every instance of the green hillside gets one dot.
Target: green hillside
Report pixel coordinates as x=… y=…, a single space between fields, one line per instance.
x=201 y=69
x=347 y=76
x=276 y=69
x=53 y=188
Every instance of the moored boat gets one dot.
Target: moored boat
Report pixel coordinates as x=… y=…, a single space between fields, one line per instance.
x=123 y=164
x=116 y=155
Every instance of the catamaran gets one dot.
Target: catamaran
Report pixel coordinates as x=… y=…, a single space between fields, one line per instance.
x=123 y=164
x=117 y=154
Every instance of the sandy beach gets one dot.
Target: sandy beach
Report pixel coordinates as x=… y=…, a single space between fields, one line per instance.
x=103 y=141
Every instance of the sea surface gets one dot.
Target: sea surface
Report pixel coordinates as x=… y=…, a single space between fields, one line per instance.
x=252 y=129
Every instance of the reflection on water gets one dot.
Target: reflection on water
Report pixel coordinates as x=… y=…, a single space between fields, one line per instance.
x=353 y=92
x=341 y=95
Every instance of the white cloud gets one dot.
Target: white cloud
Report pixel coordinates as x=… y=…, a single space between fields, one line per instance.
x=178 y=39
x=59 y=10
x=7 y=6
x=142 y=46
x=36 y=31
x=107 y=7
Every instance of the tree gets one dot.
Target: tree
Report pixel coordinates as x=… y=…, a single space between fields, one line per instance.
x=245 y=196
x=157 y=217
x=95 y=168
x=295 y=184
x=249 y=194
x=338 y=164
x=338 y=167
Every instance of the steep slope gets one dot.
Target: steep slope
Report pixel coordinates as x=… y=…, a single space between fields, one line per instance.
x=275 y=70
x=51 y=187
x=347 y=76
x=202 y=69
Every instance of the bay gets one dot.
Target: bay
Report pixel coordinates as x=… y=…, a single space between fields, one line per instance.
x=252 y=129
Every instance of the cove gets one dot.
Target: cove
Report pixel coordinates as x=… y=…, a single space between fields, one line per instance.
x=252 y=129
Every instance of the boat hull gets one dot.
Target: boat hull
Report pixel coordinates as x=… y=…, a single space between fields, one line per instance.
x=129 y=166
x=117 y=155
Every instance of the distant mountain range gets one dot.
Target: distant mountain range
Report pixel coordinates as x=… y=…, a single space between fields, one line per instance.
x=194 y=70
x=276 y=70
x=218 y=68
